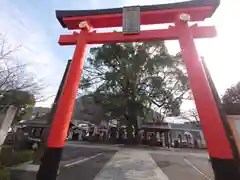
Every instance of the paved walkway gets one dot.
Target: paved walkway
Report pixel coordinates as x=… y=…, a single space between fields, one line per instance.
x=131 y=165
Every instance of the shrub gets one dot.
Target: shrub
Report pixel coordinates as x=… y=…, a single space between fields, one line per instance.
x=5 y=173
x=10 y=158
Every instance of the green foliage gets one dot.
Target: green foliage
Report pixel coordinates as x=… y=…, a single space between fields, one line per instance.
x=18 y=98
x=231 y=100
x=130 y=79
x=23 y=100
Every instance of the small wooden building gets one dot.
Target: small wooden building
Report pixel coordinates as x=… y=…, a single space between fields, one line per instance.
x=159 y=131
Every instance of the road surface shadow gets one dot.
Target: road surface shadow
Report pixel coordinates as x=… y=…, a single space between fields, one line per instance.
x=76 y=152
x=86 y=170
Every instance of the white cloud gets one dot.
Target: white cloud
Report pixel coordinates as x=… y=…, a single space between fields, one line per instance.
x=35 y=49
x=150 y=2
x=94 y=4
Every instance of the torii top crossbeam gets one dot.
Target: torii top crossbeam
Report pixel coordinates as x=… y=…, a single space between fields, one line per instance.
x=153 y=14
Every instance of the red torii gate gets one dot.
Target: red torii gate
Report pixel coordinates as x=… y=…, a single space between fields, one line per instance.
x=219 y=146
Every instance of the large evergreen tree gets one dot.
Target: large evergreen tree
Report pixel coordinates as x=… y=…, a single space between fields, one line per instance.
x=22 y=100
x=231 y=100
x=130 y=79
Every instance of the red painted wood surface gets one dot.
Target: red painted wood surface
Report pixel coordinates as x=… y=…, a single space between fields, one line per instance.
x=147 y=17
x=213 y=130
x=63 y=115
x=148 y=35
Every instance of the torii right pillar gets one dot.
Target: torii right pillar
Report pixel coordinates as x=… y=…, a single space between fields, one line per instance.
x=225 y=160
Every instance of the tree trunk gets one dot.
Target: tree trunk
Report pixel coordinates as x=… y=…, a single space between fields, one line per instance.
x=132 y=129
x=42 y=145
x=181 y=144
x=137 y=135
x=129 y=129
x=129 y=132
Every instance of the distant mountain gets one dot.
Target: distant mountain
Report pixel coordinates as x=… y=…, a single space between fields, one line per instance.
x=86 y=110
x=40 y=111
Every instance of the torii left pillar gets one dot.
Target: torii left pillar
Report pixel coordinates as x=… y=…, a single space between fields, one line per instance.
x=57 y=137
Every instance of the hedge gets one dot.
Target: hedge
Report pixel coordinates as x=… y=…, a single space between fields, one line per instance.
x=5 y=173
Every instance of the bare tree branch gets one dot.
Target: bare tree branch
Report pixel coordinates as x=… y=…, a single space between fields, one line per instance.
x=191 y=115
x=14 y=75
x=6 y=49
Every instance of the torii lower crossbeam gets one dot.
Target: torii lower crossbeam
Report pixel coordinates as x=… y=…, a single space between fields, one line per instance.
x=147 y=35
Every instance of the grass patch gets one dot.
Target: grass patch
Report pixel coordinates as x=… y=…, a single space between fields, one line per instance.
x=5 y=173
x=8 y=157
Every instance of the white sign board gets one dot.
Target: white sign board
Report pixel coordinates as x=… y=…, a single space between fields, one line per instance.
x=234 y=122
x=131 y=20
x=237 y=124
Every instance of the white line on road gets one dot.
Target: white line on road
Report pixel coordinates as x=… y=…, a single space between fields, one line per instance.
x=194 y=167
x=82 y=160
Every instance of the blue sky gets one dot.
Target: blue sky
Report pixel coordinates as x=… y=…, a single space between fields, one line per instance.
x=33 y=25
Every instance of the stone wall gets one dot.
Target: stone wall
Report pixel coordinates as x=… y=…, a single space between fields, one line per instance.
x=5 y=122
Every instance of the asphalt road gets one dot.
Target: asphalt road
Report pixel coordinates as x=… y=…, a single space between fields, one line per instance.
x=86 y=170
x=85 y=162
x=70 y=153
x=183 y=167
